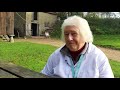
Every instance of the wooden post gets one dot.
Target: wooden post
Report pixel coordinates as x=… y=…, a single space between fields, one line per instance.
x=7 y=25
x=2 y=23
x=10 y=25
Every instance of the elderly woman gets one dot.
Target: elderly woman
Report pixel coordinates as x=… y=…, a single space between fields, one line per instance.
x=78 y=58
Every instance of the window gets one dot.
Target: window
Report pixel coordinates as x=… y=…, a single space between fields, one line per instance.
x=35 y=15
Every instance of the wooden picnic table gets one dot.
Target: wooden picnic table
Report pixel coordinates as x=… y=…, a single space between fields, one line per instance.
x=10 y=70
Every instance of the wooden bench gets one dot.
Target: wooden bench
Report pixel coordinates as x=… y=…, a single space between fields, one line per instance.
x=10 y=70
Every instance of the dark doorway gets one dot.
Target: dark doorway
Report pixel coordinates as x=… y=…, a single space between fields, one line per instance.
x=34 y=29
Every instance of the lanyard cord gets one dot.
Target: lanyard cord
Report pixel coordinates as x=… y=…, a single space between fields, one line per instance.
x=76 y=69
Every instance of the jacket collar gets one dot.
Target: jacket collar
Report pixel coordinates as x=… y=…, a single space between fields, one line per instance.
x=65 y=51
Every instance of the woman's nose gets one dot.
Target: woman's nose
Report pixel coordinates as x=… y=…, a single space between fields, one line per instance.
x=70 y=37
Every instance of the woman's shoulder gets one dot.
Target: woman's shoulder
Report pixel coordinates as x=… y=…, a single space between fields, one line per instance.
x=94 y=49
x=55 y=56
x=57 y=51
x=96 y=52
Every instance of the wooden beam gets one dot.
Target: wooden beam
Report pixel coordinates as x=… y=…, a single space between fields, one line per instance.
x=4 y=74
x=20 y=72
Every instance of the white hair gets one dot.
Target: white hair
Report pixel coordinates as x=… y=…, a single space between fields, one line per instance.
x=82 y=25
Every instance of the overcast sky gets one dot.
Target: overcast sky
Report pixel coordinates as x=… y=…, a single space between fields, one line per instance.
x=117 y=14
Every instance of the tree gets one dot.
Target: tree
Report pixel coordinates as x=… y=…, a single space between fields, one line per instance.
x=62 y=15
x=92 y=15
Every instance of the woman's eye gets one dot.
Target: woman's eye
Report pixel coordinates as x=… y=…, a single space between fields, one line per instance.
x=74 y=34
x=66 y=34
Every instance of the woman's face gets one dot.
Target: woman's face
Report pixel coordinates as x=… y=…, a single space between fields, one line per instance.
x=73 y=38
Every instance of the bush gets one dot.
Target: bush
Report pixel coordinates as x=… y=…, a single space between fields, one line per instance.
x=104 y=26
x=98 y=26
x=56 y=33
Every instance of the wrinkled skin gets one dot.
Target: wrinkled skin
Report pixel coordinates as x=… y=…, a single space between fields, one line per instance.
x=73 y=38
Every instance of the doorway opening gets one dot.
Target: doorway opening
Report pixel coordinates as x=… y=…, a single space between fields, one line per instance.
x=34 y=29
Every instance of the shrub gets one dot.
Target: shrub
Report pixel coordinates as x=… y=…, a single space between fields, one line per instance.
x=104 y=26
x=56 y=33
x=98 y=26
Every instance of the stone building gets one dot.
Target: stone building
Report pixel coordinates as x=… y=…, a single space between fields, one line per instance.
x=33 y=23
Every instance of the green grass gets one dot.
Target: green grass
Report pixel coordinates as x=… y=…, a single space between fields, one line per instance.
x=115 y=68
x=109 y=41
x=34 y=56
x=26 y=54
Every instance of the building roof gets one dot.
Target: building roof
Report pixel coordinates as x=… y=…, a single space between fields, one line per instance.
x=54 y=13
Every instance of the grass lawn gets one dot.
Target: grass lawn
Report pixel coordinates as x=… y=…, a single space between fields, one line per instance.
x=115 y=68
x=29 y=55
x=34 y=56
x=110 y=41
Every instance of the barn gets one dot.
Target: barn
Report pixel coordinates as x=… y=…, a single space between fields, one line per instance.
x=33 y=23
x=20 y=24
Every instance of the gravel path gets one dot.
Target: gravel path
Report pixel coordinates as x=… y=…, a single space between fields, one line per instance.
x=110 y=53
